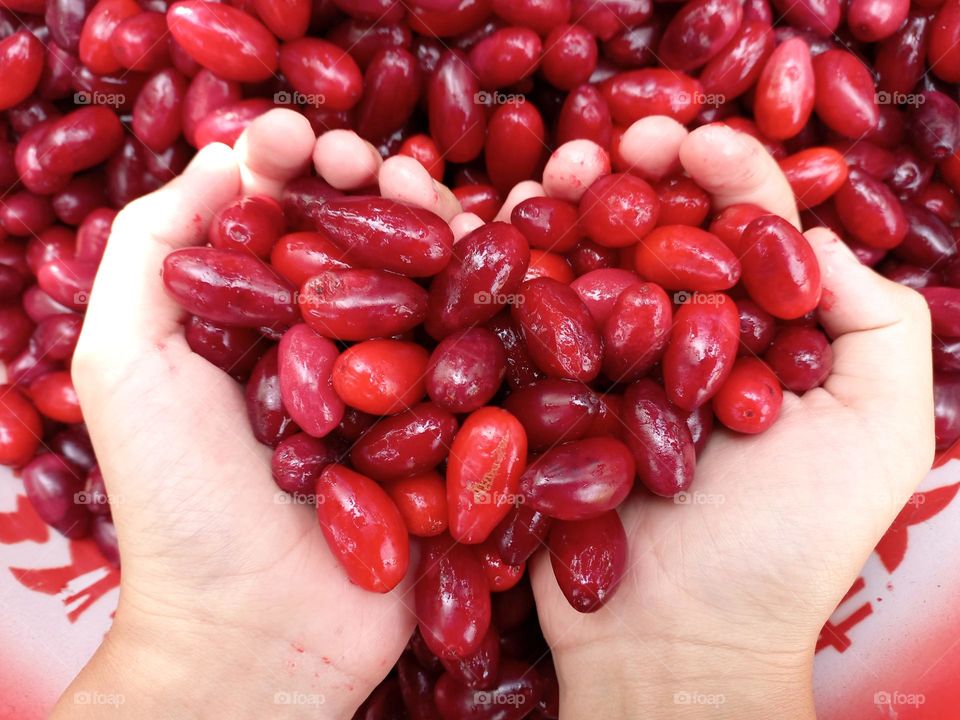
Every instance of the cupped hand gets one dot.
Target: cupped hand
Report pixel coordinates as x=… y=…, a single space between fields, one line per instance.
x=230 y=599
x=215 y=568
x=724 y=596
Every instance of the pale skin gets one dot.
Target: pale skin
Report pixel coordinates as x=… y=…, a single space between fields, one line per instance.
x=229 y=597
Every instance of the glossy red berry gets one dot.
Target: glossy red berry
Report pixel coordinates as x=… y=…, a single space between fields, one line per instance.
x=483 y=472
x=387 y=234
x=569 y=56
x=698 y=32
x=814 y=174
x=750 y=398
x=618 y=210
x=382 y=376
x=579 y=480
x=560 y=333
x=298 y=461
x=702 y=349
x=322 y=72
x=636 y=332
x=253 y=224
x=659 y=438
x=801 y=357
x=845 y=94
x=306 y=363
x=348 y=304
x=780 y=270
x=870 y=211
x=21 y=63
x=466 y=370
x=363 y=529
x=680 y=257
x=20 y=428
x=422 y=502
x=405 y=444
x=224 y=39
x=228 y=286
x=785 y=90
x=589 y=559
x=452 y=598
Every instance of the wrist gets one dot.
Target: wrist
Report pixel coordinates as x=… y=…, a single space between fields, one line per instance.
x=667 y=678
x=171 y=668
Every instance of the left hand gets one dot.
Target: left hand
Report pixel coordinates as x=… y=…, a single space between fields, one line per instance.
x=230 y=601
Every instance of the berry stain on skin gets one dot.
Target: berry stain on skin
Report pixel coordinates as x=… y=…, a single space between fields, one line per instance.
x=827 y=300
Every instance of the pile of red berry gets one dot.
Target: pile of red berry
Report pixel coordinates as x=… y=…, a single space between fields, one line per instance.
x=400 y=343
x=501 y=393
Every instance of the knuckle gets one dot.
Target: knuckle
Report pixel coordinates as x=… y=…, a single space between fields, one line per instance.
x=914 y=306
x=127 y=218
x=753 y=175
x=753 y=170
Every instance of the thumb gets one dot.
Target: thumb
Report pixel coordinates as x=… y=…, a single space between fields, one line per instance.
x=550 y=600
x=883 y=367
x=735 y=168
